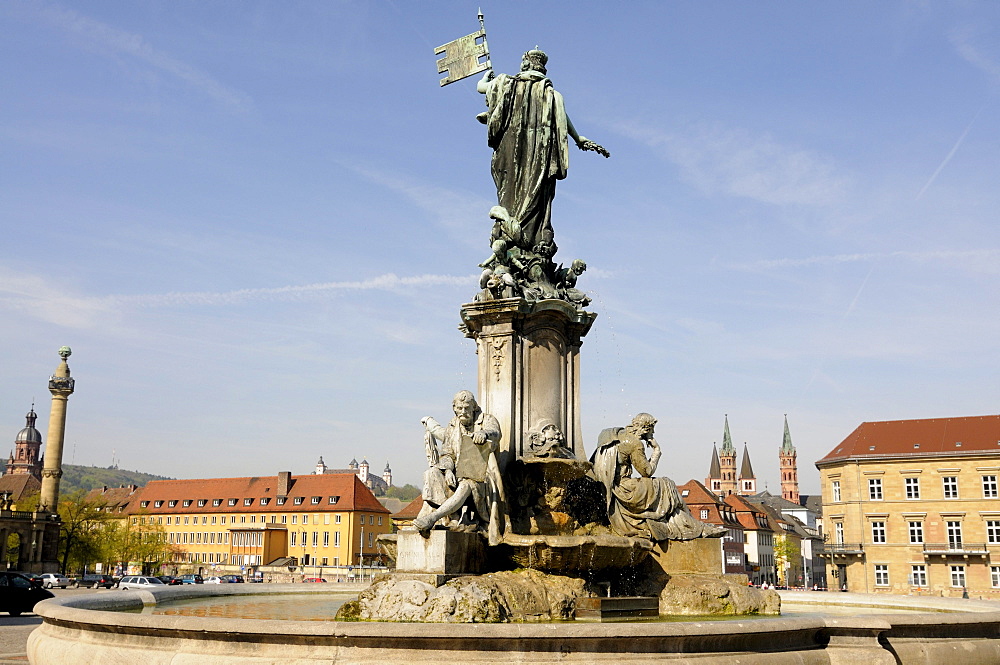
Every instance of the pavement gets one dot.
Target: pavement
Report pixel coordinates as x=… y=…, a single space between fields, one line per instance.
x=14 y=631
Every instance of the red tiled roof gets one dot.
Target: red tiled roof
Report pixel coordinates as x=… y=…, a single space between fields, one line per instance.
x=410 y=510
x=352 y=493
x=745 y=512
x=20 y=485
x=935 y=437
x=112 y=496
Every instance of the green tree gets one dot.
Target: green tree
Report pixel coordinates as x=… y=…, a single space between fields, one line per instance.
x=405 y=493
x=80 y=531
x=136 y=539
x=787 y=554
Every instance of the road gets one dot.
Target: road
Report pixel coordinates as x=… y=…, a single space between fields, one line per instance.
x=14 y=631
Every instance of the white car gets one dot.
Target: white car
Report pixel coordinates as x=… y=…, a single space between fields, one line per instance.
x=140 y=582
x=214 y=580
x=50 y=580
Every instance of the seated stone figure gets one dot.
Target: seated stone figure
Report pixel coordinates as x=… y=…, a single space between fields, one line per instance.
x=466 y=467
x=645 y=506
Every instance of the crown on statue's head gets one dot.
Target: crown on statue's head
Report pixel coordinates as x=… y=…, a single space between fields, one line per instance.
x=537 y=59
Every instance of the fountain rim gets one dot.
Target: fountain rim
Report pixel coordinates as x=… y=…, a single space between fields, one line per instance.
x=105 y=609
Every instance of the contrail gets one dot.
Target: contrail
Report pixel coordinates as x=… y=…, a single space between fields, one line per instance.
x=951 y=154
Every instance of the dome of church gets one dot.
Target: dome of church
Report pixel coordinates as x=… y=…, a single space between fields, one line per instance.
x=29 y=434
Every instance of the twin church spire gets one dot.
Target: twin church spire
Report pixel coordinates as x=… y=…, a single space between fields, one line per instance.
x=723 y=478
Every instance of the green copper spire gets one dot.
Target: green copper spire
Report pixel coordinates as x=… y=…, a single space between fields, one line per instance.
x=727 y=441
x=786 y=442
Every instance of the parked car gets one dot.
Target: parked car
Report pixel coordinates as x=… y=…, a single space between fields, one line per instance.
x=314 y=579
x=233 y=579
x=140 y=582
x=35 y=578
x=192 y=579
x=50 y=580
x=19 y=594
x=170 y=580
x=215 y=580
x=94 y=580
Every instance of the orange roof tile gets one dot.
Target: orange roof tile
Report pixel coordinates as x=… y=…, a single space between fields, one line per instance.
x=352 y=493
x=934 y=437
x=410 y=510
x=20 y=485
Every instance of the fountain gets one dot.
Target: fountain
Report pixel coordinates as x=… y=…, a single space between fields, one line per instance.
x=521 y=532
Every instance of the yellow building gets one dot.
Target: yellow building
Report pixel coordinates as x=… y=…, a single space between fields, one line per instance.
x=320 y=520
x=912 y=506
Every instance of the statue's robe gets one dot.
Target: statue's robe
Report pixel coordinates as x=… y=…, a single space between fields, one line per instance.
x=527 y=129
x=645 y=506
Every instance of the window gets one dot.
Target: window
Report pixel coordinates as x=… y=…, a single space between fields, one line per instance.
x=204 y=519
x=325 y=561
x=995 y=576
x=336 y=519
x=143 y=504
x=989 y=487
x=186 y=518
x=993 y=531
x=157 y=504
x=315 y=500
x=881 y=574
x=216 y=502
x=836 y=490
x=223 y=519
x=295 y=519
x=202 y=502
x=333 y=499
x=305 y=519
x=294 y=533
x=264 y=501
x=232 y=502
x=912 y=488
x=247 y=502
x=315 y=538
x=958 y=576
x=213 y=519
x=169 y=519
x=838 y=529
x=371 y=519
x=704 y=514
x=284 y=519
x=336 y=539
x=298 y=501
x=281 y=500
x=878 y=532
x=950 y=487
x=875 y=489
x=954 y=535
x=187 y=502
x=371 y=541
x=380 y=520
x=916 y=532
x=326 y=539
x=362 y=519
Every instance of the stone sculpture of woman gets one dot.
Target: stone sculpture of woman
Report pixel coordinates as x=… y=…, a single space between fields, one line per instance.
x=645 y=506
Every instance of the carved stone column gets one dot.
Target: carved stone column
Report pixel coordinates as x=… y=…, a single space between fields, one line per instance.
x=61 y=386
x=529 y=367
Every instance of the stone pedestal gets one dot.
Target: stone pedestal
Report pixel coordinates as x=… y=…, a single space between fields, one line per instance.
x=442 y=553
x=701 y=555
x=529 y=367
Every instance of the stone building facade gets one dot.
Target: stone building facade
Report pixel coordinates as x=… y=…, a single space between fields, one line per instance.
x=913 y=506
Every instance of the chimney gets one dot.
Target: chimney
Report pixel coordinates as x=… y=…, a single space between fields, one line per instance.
x=284 y=483
x=104 y=490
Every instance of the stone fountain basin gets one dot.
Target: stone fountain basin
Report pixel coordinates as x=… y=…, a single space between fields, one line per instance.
x=566 y=554
x=84 y=631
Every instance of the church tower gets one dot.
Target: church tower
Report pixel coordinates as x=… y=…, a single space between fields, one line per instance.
x=320 y=467
x=363 y=471
x=26 y=458
x=387 y=475
x=789 y=467
x=727 y=463
x=714 y=480
x=748 y=481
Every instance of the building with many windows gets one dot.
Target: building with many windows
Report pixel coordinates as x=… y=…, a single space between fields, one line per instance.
x=319 y=520
x=912 y=506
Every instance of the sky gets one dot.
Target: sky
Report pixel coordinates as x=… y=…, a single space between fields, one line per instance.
x=255 y=222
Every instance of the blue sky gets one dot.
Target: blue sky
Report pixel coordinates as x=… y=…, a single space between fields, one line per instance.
x=254 y=222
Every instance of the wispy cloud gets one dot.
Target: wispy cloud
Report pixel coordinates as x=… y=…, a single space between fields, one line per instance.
x=951 y=153
x=456 y=211
x=102 y=35
x=978 y=257
x=39 y=298
x=963 y=38
x=738 y=163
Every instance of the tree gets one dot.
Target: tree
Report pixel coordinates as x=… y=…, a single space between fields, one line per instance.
x=787 y=554
x=136 y=539
x=405 y=493
x=80 y=532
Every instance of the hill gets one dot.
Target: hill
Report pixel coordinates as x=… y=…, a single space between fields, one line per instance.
x=87 y=478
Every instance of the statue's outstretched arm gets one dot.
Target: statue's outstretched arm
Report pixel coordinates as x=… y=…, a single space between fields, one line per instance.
x=582 y=142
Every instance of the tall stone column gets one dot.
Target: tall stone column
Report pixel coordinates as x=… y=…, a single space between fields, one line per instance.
x=61 y=386
x=529 y=367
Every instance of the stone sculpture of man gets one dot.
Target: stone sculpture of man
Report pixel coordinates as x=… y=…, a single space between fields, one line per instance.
x=468 y=464
x=528 y=129
x=645 y=506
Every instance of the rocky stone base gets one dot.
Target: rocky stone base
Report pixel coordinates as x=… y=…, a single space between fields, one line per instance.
x=505 y=597
x=716 y=594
